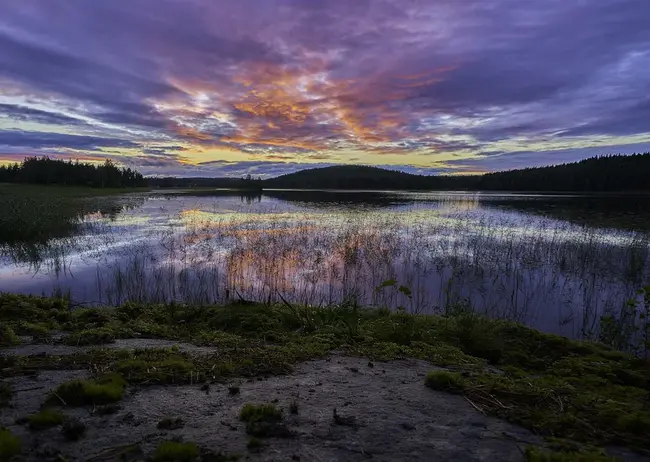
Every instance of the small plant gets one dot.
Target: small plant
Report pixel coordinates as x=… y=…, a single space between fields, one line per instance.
x=233 y=391
x=10 y=445
x=45 y=419
x=104 y=390
x=445 y=381
x=264 y=420
x=170 y=424
x=96 y=336
x=73 y=429
x=260 y=412
x=8 y=337
x=174 y=451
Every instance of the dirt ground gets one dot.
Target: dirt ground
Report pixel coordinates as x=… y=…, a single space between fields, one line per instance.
x=385 y=413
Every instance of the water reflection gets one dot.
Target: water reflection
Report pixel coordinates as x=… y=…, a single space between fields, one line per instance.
x=556 y=262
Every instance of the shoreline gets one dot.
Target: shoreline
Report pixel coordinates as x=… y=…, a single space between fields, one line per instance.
x=512 y=378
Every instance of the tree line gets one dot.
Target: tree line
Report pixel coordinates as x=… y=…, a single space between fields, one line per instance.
x=612 y=173
x=43 y=170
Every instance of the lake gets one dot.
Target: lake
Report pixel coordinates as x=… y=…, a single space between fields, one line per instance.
x=555 y=262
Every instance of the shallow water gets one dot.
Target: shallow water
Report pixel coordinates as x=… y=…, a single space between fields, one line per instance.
x=555 y=262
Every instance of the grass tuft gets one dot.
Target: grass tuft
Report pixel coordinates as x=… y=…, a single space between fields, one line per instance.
x=174 y=451
x=8 y=337
x=445 y=381
x=264 y=420
x=45 y=419
x=104 y=390
x=98 y=336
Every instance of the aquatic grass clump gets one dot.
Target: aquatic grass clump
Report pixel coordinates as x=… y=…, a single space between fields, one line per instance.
x=103 y=390
x=47 y=418
x=445 y=381
x=174 y=451
x=10 y=445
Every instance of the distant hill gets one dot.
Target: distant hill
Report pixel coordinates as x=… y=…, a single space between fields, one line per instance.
x=349 y=177
x=617 y=173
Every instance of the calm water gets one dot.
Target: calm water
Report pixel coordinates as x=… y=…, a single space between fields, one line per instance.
x=555 y=262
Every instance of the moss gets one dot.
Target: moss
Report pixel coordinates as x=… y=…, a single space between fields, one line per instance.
x=533 y=454
x=97 y=336
x=10 y=445
x=550 y=384
x=39 y=331
x=258 y=412
x=104 y=390
x=173 y=369
x=264 y=420
x=45 y=419
x=445 y=381
x=173 y=451
x=8 y=337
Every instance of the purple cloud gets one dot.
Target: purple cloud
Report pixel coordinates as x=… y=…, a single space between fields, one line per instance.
x=303 y=81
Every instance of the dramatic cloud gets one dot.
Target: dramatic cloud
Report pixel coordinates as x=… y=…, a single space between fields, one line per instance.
x=215 y=87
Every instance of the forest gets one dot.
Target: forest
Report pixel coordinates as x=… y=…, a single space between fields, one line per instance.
x=614 y=173
x=46 y=171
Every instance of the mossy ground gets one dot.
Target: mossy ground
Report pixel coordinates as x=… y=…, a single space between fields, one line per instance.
x=549 y=384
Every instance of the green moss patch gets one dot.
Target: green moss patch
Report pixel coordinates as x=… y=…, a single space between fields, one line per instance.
x=173 y=451
x=550 y=384
x=264 y=420
x=47 y=418
x=445 y=381
x=8 y=337
x=103 y=390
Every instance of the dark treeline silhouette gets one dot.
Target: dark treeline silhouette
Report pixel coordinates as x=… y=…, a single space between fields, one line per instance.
x=43 y=170
x=616 y=173
x=236 y=183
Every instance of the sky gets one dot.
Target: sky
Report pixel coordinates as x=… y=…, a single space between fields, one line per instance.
x=266 y=87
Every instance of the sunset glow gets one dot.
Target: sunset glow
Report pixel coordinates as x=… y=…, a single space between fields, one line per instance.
x=220 y=88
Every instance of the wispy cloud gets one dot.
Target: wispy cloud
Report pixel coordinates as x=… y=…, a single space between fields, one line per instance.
x=438 y=85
